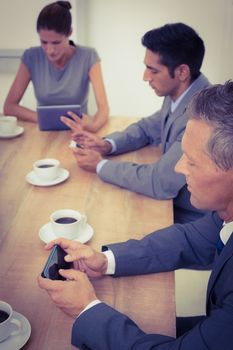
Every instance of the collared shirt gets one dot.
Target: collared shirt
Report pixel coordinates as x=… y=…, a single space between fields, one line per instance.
x=226 y=232
x=176 y=103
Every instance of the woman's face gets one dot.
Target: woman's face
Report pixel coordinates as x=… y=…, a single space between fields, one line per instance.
x=55 y=45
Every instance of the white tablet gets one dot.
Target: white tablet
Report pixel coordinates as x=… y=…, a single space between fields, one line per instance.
x=49 y=116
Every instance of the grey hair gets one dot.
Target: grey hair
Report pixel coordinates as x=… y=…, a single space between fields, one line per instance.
x=214 y=105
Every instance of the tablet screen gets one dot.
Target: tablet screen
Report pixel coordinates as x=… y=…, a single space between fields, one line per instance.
x=49 y=116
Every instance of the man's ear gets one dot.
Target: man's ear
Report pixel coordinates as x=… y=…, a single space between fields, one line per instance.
x=183 y=72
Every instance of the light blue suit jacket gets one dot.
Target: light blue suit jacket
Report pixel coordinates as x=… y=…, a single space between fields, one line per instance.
x=157 y=180
x=104 y=328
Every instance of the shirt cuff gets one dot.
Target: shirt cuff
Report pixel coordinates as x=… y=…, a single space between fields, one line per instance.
x=111 y=262
x=100 y=165
x=113 y=144
x=90 y=305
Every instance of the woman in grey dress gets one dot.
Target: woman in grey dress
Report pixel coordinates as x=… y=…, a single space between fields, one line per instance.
x=59 y=70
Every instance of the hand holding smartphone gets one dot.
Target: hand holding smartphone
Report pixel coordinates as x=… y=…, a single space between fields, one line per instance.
x=54 y=263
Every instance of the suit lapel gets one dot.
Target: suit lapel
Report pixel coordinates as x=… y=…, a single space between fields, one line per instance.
x=179 y=112
x=181 y=108
x=199 y=84
x=220 y=261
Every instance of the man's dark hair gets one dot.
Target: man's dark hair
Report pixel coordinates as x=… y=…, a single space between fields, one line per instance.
x=56 y=17
x=176 y=44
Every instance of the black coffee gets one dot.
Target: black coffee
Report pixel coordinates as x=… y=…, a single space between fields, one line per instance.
x=3 y=316
x=45 y=166
x=65 y=220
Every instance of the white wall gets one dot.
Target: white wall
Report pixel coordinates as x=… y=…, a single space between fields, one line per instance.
x=18 y=31
x=115 y=29
x=18 y=22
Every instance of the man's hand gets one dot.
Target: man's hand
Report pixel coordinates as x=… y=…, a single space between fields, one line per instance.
x=84 y=138
x=83 y=257
x=87 y=159
x=88 y=140
x=73 y=295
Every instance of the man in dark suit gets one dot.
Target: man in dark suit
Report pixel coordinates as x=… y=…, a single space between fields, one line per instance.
x=207 y=163
x=173 y=59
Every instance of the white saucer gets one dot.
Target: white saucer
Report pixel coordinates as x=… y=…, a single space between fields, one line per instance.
x=15 y=342
x=33 y=179
x=46 y=233
x=18 y=131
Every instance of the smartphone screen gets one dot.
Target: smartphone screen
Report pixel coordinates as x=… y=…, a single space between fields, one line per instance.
x=54 y=263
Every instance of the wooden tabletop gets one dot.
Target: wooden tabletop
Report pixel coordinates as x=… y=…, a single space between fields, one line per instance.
x=115 y=215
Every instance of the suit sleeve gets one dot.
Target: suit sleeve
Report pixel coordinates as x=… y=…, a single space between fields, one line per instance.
x=157 y=180
x=103 y=328
x=137 y=135
x=177 y=246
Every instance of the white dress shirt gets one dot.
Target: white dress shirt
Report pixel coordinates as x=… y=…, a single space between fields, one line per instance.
x=226 y=231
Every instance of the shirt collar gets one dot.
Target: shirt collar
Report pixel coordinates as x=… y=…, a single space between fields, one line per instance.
x=226 y=231
x=175 y=104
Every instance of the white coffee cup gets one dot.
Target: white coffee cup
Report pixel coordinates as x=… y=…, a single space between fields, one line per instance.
x=8 y=324
x=67 y=223
x=47 y=169
x=8 y=125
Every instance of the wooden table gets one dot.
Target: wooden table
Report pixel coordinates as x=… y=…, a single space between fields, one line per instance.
x=115 y=215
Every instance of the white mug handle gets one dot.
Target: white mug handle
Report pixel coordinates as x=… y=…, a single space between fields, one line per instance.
x=84 y=219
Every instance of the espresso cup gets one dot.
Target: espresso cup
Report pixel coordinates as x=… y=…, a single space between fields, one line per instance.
x=8 y=124
x=8 y=324
x=67 y=223
x=47 y=169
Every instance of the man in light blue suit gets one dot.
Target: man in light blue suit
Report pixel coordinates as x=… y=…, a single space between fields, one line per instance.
x=207 y=164
x=173 y=58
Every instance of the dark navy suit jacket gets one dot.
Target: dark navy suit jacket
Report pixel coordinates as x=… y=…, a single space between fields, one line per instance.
x=104 y=328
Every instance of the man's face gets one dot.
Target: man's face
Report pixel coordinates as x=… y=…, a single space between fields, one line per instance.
x=211 y=188
x=159 y=78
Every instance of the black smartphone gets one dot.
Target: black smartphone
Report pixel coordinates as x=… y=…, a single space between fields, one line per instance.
x=54 y=263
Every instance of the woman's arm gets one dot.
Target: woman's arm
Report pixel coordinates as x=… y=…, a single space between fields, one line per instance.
x=17 y=90
x=101 y=116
